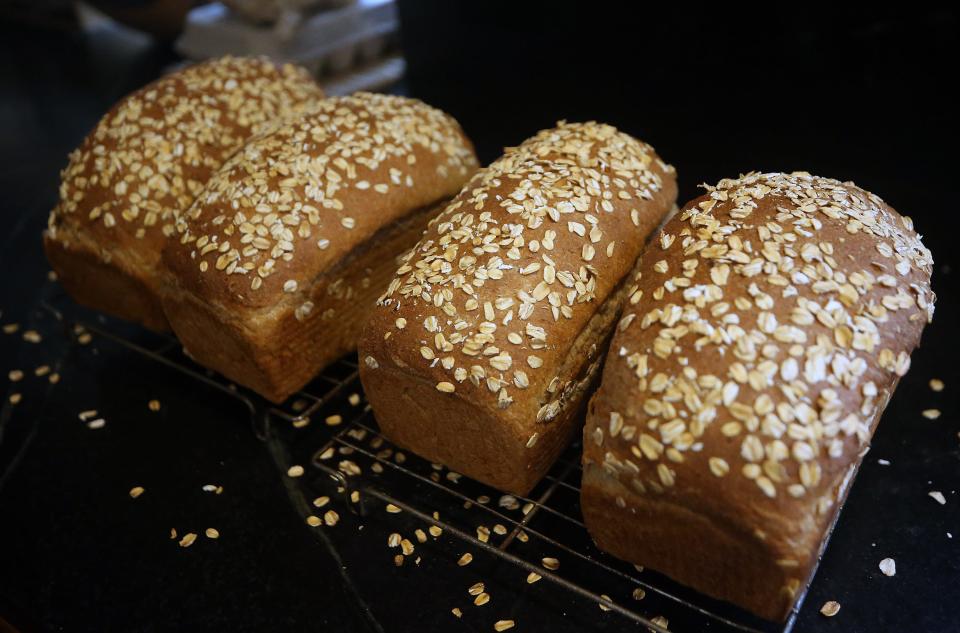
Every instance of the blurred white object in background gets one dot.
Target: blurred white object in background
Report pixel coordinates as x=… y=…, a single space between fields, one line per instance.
x=269 y=11
x=348 y=47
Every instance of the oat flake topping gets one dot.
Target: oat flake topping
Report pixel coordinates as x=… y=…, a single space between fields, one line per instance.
x=520 y=223
x=284 y=192
x=151 y=155
x=787 y=325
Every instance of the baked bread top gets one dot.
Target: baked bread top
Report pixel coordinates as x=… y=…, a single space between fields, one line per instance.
x=152 y=153
x=487 y=305
x=777 y=312
x=296 y=201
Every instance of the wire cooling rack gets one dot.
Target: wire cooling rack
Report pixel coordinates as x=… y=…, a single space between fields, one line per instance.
x=368 y=471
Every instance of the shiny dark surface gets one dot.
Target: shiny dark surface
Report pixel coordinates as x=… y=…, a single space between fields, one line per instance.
x=842 y=94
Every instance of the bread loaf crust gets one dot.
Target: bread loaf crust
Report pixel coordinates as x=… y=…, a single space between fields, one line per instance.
x=286 y=245
x=742 y=389
x=480 y=352
x=145 y=162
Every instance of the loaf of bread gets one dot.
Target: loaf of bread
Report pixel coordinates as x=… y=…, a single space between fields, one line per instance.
x=772 y=321
x=480 y=353
x=145 y=162
x=281 y=258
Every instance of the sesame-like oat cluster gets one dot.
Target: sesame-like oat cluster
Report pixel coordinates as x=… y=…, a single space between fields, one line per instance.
x=152 y=154
x=310 y=191
x=780 y=310
x=519 y=249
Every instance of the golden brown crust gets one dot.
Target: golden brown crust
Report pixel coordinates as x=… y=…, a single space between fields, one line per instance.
x=495 y=311
x=126 y=296
x=743 y=386
x=281 y=256
x=149 y=157
x=274 y=352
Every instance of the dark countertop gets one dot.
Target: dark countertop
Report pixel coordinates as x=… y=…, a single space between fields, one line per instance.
x=78 y=554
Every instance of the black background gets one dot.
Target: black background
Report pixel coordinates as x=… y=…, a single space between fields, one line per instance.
x=864 y=95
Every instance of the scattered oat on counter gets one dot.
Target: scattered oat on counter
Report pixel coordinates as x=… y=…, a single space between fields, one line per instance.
x=503 y=625
x=15 y=398
x=936 y=384
x=883 y=462
x=212 y=533
x=314 y=521
x=11 y=328
x=188 y=539
x=334 y=420
x=602 y=606
x=99 y=423
x=136 y=491
x=15 y=375
x=173 y=533
x=465 y=560
x=476 y=589
x=435 y=531
x=349 y=467
x=86 y=415
x=931 y=414
x=456 y=611
x=509 y=502
x=354 y=399
x=551 y=563
x=392 y=509
x=533 y=577
x=830 y=608
x=319 y=502
x=639 y=593
x=41 y=371
x=154 y=405
x=32 y=336
x=888 y=566
x=482 y=599
x=331 y=518
x=214 y=488
x=938 y=496
x=295 y=471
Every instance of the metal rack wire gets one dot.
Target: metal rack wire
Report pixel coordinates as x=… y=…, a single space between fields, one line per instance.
x=549 y=517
